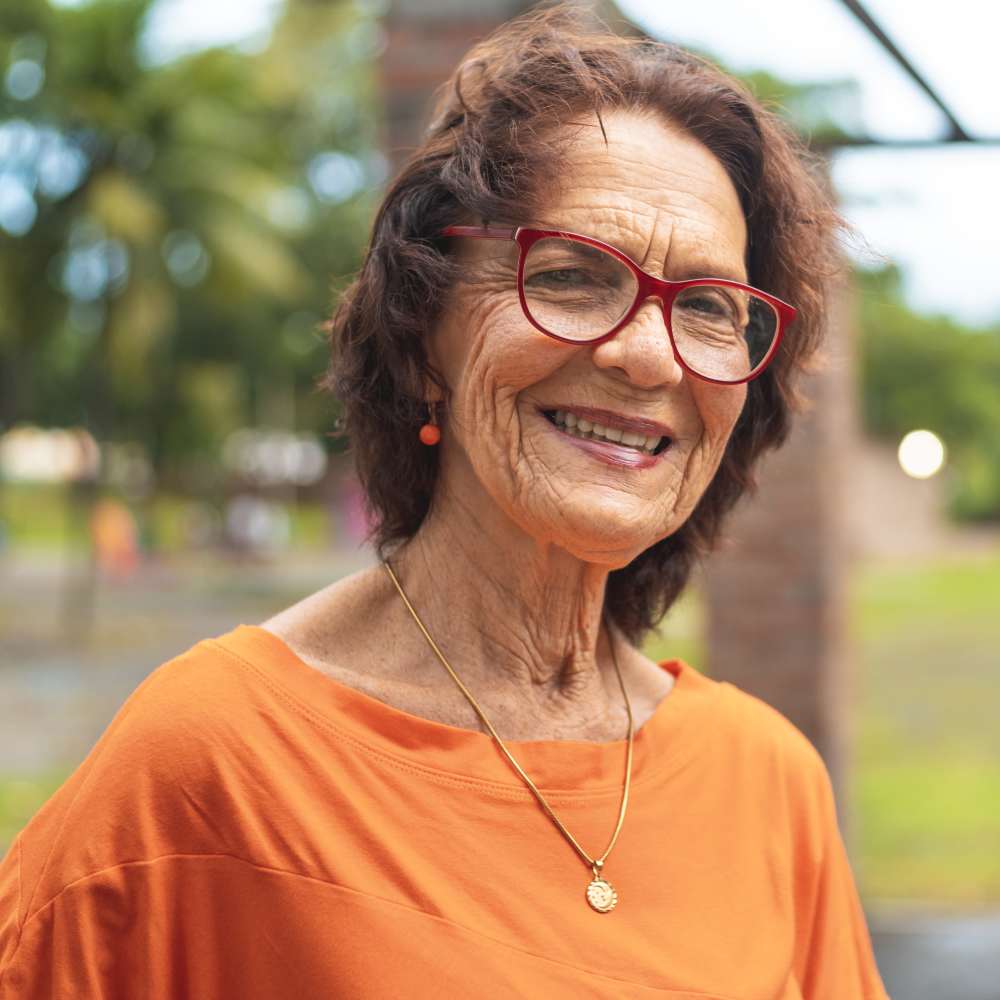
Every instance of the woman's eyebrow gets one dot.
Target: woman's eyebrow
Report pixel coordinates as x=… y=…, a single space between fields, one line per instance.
x=708 y=269
x=693 y=268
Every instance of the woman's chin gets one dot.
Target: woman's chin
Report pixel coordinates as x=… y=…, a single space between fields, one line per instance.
x=609 y=533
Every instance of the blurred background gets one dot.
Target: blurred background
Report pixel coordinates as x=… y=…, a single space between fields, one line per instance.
x=184 y=188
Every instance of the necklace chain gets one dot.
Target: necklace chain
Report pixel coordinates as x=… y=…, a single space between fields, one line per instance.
x=605 y=897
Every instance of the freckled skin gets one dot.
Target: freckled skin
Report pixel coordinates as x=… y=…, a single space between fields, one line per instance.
x=509 y=569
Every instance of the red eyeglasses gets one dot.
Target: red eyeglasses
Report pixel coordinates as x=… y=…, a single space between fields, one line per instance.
x=582 y=291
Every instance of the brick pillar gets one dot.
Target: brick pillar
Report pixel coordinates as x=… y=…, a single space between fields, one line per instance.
x=776 y=588
x=425 y=39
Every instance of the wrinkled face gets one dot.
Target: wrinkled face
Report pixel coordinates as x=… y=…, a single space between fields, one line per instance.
x=661 y=197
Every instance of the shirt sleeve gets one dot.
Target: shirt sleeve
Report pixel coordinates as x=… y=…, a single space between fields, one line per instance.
x=10 y=903
x=72 y=909
x=58 y=921
x=834 y=959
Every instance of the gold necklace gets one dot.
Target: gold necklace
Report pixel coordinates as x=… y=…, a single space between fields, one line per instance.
x=600 y=893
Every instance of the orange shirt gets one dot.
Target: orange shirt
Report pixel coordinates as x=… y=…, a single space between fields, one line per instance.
x=248 y=828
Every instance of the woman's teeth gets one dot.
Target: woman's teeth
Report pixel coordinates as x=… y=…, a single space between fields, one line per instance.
x=588 y=430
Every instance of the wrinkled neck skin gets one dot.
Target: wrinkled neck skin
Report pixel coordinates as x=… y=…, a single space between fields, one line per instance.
x=518 y=618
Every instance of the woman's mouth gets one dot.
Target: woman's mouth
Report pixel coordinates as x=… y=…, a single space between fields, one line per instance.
x=591 y=430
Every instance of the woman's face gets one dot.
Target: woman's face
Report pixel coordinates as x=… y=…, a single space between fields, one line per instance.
x=661 y=197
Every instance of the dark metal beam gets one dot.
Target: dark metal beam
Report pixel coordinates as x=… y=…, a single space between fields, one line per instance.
x=957 y=132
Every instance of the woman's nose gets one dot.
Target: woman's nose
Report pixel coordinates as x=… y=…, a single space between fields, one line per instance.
x=642 y=350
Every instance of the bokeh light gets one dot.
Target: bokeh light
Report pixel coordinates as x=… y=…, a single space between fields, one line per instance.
x=921 y=454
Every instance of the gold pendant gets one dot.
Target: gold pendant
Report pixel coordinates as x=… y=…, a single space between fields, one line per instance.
x=601 y=895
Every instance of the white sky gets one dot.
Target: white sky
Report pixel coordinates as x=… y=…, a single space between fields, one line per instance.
x=935 y=212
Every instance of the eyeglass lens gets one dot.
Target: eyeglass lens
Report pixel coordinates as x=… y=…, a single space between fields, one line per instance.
x=580 y=292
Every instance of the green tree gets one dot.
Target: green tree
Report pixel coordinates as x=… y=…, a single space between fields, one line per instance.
x=180 y=243
x=929 y=371
x=168 y=230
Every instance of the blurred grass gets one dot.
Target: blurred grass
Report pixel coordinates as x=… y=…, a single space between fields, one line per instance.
x=21 y=797
x=927 y=757
x=926 y=783
x=36 y=515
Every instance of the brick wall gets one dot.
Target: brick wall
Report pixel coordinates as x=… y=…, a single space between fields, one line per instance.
x=425 y=40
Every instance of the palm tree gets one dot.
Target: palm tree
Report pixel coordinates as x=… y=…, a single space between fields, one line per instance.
x=172 y=217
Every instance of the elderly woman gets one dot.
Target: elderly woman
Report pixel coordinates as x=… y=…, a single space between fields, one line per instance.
x=455 y=774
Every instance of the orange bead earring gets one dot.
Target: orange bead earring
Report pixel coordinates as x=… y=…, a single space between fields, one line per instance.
x=430 y=433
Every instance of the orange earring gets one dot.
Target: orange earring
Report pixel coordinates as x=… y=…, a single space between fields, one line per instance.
x=430 y=433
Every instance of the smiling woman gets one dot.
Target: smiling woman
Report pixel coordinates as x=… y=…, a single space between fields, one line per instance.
x=650 y=191
x=576 y=329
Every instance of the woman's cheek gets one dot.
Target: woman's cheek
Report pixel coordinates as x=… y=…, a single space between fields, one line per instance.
x=719 y=413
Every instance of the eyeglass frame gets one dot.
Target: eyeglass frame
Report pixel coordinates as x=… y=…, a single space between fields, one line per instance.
x=647 y=286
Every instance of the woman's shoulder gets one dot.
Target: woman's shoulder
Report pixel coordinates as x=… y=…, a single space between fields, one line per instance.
x=136 y=794
x=752 y=730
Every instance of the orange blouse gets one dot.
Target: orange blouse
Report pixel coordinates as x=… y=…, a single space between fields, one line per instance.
x=246 y=827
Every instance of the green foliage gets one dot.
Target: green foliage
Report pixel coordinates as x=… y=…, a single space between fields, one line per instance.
x=193 y=234
x=679 y=635
x=823 y=113
x=930 y=372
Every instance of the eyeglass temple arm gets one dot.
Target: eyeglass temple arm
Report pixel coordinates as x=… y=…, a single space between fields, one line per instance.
x=483 y=232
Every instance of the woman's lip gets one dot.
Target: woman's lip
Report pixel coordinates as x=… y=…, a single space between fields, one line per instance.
x=616 y=421
x=618 y=455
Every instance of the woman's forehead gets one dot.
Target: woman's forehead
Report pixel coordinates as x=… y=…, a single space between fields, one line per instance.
x=652 y=192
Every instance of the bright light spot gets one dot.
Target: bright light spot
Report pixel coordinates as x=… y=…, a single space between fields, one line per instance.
x=24 y=79
x=92 y=269
x=53 y=455
x=921 y=454
x=17 y=207
x=61 y=168
x=335 y=177
x=273 y=457
x=19 y=143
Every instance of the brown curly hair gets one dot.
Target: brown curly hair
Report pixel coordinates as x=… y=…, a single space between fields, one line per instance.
x=499 y=126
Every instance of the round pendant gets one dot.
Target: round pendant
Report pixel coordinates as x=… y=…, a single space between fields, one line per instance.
x=601 y=895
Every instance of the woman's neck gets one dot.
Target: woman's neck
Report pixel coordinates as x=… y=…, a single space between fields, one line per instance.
x=514 y=616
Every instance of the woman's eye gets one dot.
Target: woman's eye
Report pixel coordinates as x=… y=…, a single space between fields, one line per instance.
x=706 y=304
x=564 y=277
